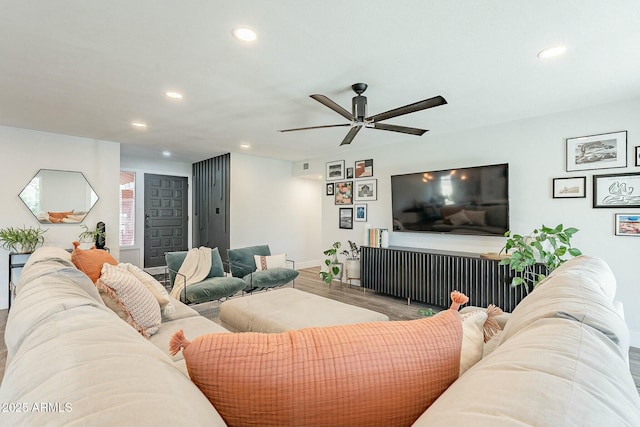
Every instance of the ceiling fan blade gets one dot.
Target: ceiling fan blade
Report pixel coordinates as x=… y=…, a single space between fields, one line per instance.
x=401 y=129
x=352 y=134
x=335 y=107
x=411 y=108
x=315 y=127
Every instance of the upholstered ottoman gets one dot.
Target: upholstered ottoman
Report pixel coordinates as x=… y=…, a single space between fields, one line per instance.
x=288 y=308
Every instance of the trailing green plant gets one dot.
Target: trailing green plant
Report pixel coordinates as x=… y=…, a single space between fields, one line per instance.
x=353 y=253
x=90 y=233
x=22 y=240
x=331 y=262
x=548 y=246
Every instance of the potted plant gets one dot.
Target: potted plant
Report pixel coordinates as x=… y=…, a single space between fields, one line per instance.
x=89 y=236
x=352 y=263
x=334 y=268
x=22 y=240
x=547 y=246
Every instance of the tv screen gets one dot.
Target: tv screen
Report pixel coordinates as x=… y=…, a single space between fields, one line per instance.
x=472 y=200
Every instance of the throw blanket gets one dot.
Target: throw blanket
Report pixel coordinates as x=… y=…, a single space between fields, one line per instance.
x=195 y=268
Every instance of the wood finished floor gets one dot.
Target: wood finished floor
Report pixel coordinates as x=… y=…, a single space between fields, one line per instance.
x=309 y=281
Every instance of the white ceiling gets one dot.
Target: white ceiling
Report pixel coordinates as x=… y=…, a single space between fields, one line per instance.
x=89 y=68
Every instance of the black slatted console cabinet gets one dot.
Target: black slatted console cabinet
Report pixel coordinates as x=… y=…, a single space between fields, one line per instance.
x=429 y=276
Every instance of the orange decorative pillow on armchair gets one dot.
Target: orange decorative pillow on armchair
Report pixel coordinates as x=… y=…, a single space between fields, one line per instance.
x=367 y=374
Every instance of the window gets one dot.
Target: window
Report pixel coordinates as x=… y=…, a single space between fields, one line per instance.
x=127 y=208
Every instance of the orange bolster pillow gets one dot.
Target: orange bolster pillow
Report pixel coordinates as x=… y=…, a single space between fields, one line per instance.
x=367 y=374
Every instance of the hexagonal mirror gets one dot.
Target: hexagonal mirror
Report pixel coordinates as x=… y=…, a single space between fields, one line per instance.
x=55 y=196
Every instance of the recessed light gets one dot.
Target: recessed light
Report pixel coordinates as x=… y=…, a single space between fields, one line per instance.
x=139 y=125
x=174 y=95
x=245 y=146
x=244 y=34
x=166 y=153
x=552 y=52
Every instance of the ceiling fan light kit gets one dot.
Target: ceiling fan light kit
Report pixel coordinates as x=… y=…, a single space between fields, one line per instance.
x=358 y=116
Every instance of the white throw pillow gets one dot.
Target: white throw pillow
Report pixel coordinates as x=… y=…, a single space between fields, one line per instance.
x=155 y=287
x=492 y=344
x=472 y=338
x=269 y=262
x=142 y=309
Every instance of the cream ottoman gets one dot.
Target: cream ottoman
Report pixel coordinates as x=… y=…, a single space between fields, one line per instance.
x=288 y=308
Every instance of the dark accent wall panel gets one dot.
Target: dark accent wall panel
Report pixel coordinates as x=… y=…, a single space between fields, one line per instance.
x=211 y=208
x=431 y=276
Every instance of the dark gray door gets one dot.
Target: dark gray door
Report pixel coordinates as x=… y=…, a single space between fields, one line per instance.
x=165 y=217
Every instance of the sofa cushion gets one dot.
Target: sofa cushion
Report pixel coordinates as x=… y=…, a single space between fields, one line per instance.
x=269 y=278
x=241 y=261
x=213 y=289
x=181 y=311
x=580 y=290
x=367 y=374
x=90 y=261
x=557 y=372
x=142 y=309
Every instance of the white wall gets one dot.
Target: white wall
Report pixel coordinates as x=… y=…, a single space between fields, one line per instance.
x=24 y=152
x=135 y=254
x=535 y=151
x=268 y=206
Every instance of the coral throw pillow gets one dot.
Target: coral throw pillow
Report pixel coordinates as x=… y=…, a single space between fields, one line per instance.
x=141 y=308
x=90 y=261
x=366 y=374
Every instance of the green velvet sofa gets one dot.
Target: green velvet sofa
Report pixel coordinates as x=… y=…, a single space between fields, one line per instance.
x=242 y=265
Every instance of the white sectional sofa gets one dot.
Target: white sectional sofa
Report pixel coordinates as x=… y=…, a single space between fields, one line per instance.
x=561 y=360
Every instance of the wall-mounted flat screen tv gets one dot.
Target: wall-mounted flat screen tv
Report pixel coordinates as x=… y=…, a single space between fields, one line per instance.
x=472 y=201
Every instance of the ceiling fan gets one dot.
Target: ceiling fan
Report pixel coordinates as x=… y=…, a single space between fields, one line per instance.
x=358 y=116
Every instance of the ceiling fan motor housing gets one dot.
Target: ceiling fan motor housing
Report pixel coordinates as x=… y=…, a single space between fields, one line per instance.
x=359 y=107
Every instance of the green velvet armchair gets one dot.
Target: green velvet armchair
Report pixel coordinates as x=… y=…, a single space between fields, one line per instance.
x=242 y=265
x=216 y=286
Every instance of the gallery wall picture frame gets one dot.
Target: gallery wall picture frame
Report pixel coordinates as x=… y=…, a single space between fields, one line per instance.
x=360 y=212
x=330 y=189
x=570 y=188
x=346 y=218
x=349 y=173
x=627 y=224
x=364 y=168
x=638 y=156
x=344 y=193
x=616 y=190
x=602 y=151
x=335 y=170
x=366 y=190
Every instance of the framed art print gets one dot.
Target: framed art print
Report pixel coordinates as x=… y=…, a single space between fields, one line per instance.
x=604 y=151
x=344 y=193
x=366 y=190
x=569 y=188
x=349 y=173
x=628 y=225
x=346 y=218
x=330 y=189
x=364 y=168
x=361 y=212
x=616 y=191
x=335 y=170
